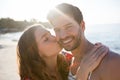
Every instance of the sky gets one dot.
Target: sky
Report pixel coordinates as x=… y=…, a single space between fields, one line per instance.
x=94 y=11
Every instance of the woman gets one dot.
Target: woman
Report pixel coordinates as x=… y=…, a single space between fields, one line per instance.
x=39 y=58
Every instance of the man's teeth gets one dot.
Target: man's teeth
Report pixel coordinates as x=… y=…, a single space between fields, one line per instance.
x=67 y=41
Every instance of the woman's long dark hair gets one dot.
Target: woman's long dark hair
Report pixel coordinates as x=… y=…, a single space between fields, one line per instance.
x=31 y=65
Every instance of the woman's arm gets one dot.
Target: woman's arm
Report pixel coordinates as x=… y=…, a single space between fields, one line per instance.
x=91 y=61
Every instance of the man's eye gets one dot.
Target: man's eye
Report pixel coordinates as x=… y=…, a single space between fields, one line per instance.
x=68 y=27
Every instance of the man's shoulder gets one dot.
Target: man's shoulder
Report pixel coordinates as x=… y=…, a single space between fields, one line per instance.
x=111 y=57
x=110 y=66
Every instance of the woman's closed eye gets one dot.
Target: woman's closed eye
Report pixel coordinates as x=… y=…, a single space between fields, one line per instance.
x=46 y=39
x=46 y=36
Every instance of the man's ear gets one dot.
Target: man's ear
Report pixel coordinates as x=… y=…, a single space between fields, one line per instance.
x=82 y=25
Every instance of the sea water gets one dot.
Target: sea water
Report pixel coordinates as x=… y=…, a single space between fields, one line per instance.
x=108 y=34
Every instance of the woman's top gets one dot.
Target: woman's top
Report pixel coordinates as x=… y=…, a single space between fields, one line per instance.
x=71 y=76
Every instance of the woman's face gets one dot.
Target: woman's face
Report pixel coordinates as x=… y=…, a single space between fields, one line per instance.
x=47 y=44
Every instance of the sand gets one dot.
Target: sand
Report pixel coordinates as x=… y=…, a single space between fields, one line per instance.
x=8 y=63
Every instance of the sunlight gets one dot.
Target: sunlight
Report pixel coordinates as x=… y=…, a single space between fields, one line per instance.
x=93 y=11
x=29 y=9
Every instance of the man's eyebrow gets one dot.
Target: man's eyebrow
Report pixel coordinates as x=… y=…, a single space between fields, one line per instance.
x=63 y=25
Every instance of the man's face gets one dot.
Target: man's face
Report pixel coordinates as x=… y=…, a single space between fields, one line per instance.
x=68 y=32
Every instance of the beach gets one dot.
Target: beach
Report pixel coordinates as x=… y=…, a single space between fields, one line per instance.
x=8 y=63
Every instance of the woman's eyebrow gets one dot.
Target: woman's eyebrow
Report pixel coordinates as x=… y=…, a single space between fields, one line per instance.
x=44 y=35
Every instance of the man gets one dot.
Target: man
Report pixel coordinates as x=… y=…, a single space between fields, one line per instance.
x=69 y=28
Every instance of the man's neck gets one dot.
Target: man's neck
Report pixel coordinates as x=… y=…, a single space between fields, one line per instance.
x=78 y=53
x=83 y=49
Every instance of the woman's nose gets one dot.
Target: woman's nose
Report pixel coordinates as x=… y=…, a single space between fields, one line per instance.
x=53 y=38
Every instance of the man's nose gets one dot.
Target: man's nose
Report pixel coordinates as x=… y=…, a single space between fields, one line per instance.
x=62 y=34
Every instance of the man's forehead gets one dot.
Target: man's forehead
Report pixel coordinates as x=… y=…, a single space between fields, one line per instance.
x=62 y=21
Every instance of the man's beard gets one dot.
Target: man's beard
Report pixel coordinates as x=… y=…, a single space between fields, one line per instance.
x=77 y=41
x=74 y=46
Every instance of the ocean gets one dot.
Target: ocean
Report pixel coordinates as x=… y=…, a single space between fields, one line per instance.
x=107 y=34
